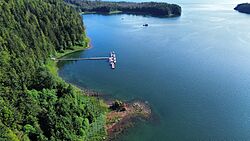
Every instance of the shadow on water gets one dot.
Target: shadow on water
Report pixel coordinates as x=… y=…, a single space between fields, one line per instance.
x=77 y=54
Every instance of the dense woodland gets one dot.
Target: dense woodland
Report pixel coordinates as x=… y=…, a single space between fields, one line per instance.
x=35 y=104
x=144 y=8
x=243 y=8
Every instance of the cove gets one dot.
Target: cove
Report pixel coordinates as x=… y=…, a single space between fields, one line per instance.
x=193 y=70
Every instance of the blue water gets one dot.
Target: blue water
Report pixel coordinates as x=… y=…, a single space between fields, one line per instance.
x=193 y=70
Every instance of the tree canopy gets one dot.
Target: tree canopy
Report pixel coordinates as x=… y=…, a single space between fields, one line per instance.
x=36 y=104
x=243 y=8
x=143 y=8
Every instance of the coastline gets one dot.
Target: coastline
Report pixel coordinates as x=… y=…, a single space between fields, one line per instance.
x=120 y=121
x=75 y=49
x=129 y=13
x=102 y=13
x=116 y=121
x=154 y=9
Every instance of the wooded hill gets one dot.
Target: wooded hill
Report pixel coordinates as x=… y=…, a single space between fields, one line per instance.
x=145 y=8
x=35 y=104
x=243 y=8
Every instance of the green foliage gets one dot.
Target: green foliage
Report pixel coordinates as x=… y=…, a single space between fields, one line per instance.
x=7 y=134
x=143 y=8
x=35 y=104
x=29 y=128
x=243 y=8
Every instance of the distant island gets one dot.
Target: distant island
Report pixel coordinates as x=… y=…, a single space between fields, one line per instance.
x=243 y=8
x=159 y=9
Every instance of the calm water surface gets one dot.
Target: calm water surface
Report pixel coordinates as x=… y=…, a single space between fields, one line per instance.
x=193 y=70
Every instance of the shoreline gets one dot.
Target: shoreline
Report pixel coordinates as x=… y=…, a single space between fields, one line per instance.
x=116 y=121
x=129 y=13
x=120 y=121
x=154 y=9
x=75 y=49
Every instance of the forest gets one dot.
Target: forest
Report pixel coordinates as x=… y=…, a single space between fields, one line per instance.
x=35 y=103
x=160 y=9
x=243 y=8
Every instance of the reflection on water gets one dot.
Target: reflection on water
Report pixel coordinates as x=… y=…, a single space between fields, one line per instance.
x=193 y=70
x=60 y=64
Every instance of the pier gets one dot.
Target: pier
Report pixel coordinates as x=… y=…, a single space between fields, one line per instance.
x=78 y=59
x=111 y=59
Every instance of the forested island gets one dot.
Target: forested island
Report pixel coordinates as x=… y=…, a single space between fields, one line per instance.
x=159 y=9
x=243 y=8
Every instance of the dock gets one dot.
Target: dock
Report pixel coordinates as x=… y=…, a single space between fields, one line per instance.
x=111 y=59
x=78 y=59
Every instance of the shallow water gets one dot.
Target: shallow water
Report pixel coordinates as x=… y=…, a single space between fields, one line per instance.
x=193 y=70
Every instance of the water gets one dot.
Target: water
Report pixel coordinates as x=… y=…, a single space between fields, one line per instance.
x=193 y=70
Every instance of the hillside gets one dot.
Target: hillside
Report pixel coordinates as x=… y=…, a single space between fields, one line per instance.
x=35 y=104
x=243 y=8
x=160 y=9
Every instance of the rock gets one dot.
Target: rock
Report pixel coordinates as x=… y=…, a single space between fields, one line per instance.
x=118 y=106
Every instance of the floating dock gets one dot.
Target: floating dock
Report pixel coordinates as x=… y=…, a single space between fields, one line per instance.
x=112 y=60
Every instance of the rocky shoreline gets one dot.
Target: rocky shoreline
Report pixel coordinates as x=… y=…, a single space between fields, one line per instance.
x=122 y=115
x=118 y=121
